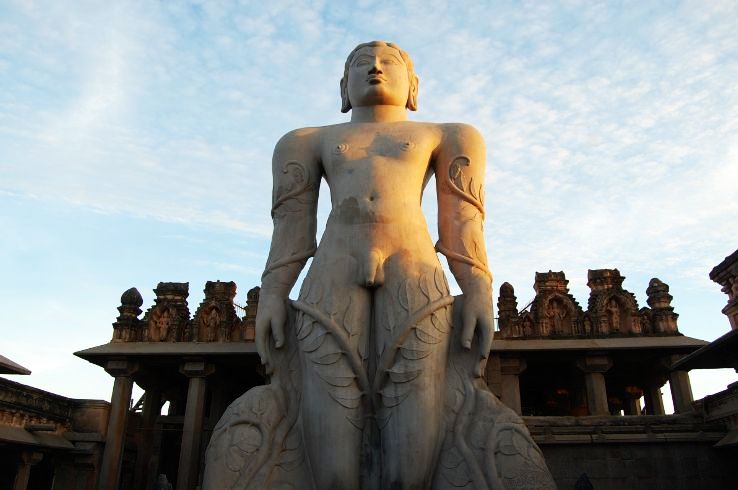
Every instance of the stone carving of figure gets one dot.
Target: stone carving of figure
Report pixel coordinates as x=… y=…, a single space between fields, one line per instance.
x=162 y=322
x=587 y=325
x=613 y=315
x=556 y=313
x=373 y=320
x=211 y=322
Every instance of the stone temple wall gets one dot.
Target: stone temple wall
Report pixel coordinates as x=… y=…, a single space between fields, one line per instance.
x=652 y=466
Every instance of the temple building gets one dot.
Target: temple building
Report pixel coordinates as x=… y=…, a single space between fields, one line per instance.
x=47 y=440
x=555 y=358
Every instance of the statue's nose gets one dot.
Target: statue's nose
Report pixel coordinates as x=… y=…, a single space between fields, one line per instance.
x=376 y=67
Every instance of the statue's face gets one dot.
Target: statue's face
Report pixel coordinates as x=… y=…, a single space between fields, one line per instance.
x=378 y=76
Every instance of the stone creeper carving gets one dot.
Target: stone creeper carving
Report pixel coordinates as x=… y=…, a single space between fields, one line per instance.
x=257 y=444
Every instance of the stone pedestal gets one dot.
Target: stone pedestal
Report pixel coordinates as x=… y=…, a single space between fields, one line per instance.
x=189 y=456
x=594 y=366
x=115 y=437
x=511 y=369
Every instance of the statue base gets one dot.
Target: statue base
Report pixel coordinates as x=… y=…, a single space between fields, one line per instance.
x=257 y=444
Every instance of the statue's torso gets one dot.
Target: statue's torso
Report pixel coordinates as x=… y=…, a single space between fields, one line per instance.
x=376 y=173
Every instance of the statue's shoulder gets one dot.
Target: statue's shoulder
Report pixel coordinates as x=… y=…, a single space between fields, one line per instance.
x=299 y=140
x=456 y=131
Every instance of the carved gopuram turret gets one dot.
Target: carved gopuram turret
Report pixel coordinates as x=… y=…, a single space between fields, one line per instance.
x=555 y=311
x=215 y=319
x=611 y=309
x=168 y=320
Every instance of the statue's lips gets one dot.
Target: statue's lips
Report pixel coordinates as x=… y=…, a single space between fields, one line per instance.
x=375 y=80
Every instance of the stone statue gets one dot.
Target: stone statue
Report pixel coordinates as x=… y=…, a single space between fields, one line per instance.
x=375 y=369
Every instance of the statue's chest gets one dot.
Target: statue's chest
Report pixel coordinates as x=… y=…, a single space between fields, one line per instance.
x=374 y=147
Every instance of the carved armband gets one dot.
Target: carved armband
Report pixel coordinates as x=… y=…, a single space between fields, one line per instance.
x=294 y=200
x=470 y=192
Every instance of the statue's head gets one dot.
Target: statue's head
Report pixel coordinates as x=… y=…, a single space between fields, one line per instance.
x=379 y=72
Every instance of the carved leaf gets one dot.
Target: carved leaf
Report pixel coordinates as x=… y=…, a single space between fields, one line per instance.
x=313 y=344
x=440 y=281
x=331 y=358
x=305 y=329
x=357 y=421
x=351 y=317
x=403 y=295
x=347 y=401
x=438 y=322
x=399 y=375
x=426 y=337
x=338 y=381
x=393 y=400
x=414 y=354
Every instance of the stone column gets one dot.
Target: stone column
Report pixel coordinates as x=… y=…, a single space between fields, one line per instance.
x=151 y=411
x=681 y=391
x=594 y=366
x=189 y=455
x=114 y=439
x=633 y=396
x=654 y=402
x=23 y=473
x=511 y=369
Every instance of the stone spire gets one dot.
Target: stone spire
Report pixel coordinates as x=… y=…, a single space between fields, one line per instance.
x=663 y=318
x=507 y=309
x=127 y=327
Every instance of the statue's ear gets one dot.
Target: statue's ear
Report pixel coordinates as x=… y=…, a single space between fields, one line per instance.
x=345 y=102
x=412 y=96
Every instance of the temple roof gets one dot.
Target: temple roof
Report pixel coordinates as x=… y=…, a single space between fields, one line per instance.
x=9 y=367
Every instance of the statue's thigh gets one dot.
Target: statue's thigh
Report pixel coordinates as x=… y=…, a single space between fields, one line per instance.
x=334 y=316
x=413 y=325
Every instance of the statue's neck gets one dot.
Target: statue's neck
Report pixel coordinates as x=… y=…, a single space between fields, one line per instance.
x=378 y=113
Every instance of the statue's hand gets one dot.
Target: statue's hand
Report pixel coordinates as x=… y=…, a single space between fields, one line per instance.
x=476 y=316
x=270 y=318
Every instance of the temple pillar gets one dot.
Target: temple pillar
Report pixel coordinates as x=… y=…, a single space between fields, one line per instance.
x=115 y=437
x=594 y=366
x=189 y=455
x=653 y=399
x=23 y=472
x=633 y=396
x=681 y=391
x=511 y=368
x=151 y=411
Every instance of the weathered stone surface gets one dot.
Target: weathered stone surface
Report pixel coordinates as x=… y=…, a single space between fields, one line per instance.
x=374 y=383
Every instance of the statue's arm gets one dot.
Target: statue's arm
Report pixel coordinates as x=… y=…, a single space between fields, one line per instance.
x=459 y=164
x=296 y=174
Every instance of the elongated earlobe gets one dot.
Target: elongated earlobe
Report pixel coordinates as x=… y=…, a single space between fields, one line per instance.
x=412 y=96
x=345 y=102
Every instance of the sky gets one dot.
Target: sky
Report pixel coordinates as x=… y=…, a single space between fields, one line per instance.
x=136 y=140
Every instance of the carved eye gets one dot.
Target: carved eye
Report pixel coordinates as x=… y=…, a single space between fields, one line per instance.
x=339 y=149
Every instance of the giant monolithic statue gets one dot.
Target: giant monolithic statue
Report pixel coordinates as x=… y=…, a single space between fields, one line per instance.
x=375 y=369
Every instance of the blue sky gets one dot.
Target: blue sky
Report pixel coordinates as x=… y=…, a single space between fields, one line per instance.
x=136 y=138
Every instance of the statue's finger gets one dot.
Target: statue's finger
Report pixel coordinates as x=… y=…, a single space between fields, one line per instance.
x=278 y=332
x=262 y=334
x=486 y=334
x=467 y=331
